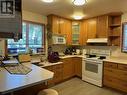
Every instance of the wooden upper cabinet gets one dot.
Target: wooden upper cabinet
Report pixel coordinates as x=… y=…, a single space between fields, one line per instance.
x=60 y=26
x=53 y=22
x=91 y=28
x=102 y=26
x=83 y=33
x=65 y=29
x=68 y=31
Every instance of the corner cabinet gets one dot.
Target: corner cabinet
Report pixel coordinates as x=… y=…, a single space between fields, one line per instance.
x=11 y=19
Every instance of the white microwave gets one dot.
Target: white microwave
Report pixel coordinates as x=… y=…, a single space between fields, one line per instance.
x=59 y=40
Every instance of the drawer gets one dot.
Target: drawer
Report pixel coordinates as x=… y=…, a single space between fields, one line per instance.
x=110 y=72
x=110 y=81
x=116 y=73
x=115 y=83
x=122 y=67
x=122 y=85
x=110 y=65
x=122 y=75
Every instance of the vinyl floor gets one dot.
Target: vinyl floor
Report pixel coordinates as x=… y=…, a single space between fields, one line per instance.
x=76 y=86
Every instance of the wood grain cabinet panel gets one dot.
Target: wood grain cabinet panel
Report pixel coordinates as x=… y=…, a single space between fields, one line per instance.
x=115 y=76
x=102 y=26
x=91 y=28
x=77 y=61
x=122 y=67
x=110 y=65
x=58 y=73
x=68 y=68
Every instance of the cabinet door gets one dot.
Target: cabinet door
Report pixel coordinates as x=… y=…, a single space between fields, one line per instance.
x=55 y=25
x=91 y=28
x=78 y=66
x=62 y=27
x=51 y=81
x=65 y=29
x=102 y=26
x=83 y=33
x=68 y=68
x=68 y=31
x=76 y=29
x=58 y=70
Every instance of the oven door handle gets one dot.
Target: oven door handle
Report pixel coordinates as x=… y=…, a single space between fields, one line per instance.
x=92 y=62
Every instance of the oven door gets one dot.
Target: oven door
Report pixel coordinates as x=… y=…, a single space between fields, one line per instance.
x=92 y=72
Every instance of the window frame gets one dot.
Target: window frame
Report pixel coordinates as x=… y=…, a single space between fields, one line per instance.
x=123 y=25
x=27 y=29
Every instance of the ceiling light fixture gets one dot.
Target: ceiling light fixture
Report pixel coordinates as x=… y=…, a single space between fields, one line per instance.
x=48 y=1
x=77 y=17
x=79 y=2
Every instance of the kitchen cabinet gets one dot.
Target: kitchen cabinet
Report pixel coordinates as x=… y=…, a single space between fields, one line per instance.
x=68 y=68
x=53 y=24
x=60 y=26
x=102 y=26
x=91 y=28
x=76 y=30
x=83 y=33
x=11 y=23
x=114 y=29
x=58 y=73
x=77 y=61
x=67 y=30
x=115 y=76
x=88 y=30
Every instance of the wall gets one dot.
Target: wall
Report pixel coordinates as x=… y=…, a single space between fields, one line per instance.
x=34 y=17
x=29 y=16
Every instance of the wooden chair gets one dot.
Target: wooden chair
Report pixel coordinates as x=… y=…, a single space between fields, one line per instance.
x=48 y=92
x=24 y=58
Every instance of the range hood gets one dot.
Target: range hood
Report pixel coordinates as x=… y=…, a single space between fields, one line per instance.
x=98 y=40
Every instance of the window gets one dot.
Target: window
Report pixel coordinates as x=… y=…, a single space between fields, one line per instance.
x=124 y=45
x=32 y=37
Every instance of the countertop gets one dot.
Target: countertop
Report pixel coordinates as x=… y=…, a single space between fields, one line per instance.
x=69 y=56
x=116 y=60
x=10 y=82
x=46 y=64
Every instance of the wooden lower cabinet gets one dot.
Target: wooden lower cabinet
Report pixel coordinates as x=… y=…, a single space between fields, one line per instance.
x=58 y=73
x=68 y=68
x=78 y=66
x=115 y=76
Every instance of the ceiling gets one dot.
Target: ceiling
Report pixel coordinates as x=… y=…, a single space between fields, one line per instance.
x=65 y=8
